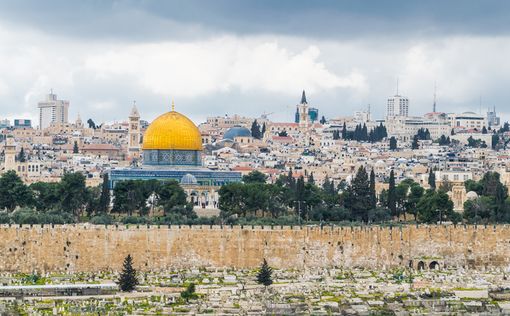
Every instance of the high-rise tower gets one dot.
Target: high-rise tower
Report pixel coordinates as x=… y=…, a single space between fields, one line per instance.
x=52 y=111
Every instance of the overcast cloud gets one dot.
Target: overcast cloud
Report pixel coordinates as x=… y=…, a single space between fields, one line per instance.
x=250 y=57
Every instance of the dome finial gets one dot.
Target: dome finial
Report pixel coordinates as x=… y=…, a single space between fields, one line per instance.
x=173 y=105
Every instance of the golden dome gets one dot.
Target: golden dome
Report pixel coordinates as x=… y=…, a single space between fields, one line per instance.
x=172 y=130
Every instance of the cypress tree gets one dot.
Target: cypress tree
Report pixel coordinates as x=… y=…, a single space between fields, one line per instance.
x=344 y=131
x=415 y=144
x=264 y=274
x=290 y=180
x=263 y=130
x=104 y=199
x=393 y=143
x=372 y=189
x=127 y=280
x=75 y=147
x=358 y=198
x=21 y=155
x=392 y=194
x=432 y=179
x=364 y=132
x=255 y=130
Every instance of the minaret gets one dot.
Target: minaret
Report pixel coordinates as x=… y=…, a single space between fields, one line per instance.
x=134 y=133
x=10 y=154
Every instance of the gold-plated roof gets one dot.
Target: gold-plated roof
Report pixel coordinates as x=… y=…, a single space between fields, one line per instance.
x=172 y=130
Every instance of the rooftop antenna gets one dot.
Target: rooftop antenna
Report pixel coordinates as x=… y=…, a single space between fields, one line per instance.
x=434 y=105
x=397 y=85
x=480 y=105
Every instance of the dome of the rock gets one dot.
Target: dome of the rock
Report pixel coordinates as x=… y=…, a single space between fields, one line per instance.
x=172 y=139
x=172 y=131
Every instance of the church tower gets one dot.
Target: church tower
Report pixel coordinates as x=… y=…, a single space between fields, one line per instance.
x=134 y=133
x=10 y=154
x=304 y=118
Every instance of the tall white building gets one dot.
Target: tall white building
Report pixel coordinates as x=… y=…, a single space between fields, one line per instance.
x=52 y=111
x=397 y=106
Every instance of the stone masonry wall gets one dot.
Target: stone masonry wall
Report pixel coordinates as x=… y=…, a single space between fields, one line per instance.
x=86 y=247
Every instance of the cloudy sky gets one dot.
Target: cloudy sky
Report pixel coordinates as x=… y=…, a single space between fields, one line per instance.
x=249 y=57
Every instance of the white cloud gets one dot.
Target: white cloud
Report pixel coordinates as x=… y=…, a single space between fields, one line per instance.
x=101 y=79
x=198 y=68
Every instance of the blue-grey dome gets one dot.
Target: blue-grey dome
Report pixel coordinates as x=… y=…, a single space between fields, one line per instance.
x=188 y=179
x=237 y=131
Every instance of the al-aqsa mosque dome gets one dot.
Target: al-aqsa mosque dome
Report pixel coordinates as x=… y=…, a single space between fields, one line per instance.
x=172 y=139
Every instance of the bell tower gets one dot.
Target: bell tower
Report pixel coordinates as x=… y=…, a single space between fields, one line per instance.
x=134 y=133
x=302 y=109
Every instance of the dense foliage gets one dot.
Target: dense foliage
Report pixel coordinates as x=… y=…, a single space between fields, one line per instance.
x=361 y=133
x=492 y=204
x=70 y=200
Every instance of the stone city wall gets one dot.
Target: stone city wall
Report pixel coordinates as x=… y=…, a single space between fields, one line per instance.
x=84 y=247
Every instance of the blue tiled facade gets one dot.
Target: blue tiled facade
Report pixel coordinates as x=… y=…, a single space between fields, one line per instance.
x=156 y=157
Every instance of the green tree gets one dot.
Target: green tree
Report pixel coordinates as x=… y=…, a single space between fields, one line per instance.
x=170 y=196
x=255 y=177
x=264 y=276
x=127 y=280
x=415 y=194
x=392 y=195
x=46 y=196
x=75 y=148
x=21 y=155
x=13 y=192
x=232 y=199
x=189 y=292
x=255 y=130
x=436 y=206
x=92 y=200
x=415 y=144
x=358 y=196
x=127 y=197
x=393 y=143
x=494 y=141
x=480 y=210
x=104 y=199
x=373 y=198
x=432 y=179
x=73 y=193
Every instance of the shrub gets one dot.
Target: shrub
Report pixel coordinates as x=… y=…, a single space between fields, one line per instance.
x=103 y=219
